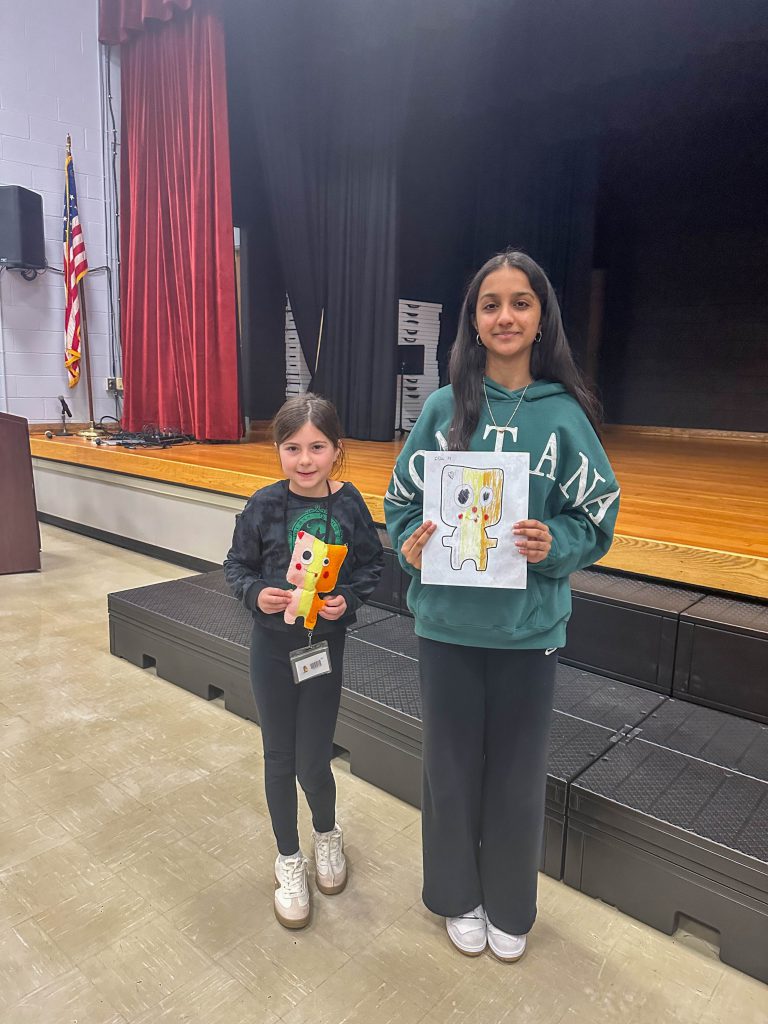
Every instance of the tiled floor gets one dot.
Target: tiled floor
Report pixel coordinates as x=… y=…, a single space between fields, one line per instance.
x=136 y=865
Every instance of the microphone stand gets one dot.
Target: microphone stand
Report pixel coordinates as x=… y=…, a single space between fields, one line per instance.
x=64 y=432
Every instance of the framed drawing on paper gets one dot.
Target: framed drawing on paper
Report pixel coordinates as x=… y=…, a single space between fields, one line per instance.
x=475 y=498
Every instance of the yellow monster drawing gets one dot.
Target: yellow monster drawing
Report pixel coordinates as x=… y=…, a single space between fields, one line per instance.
x=470 y=502
x=314 y=569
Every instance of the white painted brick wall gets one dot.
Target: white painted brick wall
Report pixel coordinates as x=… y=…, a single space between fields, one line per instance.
x=49 y=85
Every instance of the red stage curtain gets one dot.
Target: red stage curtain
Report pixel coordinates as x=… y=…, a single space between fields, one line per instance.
x=177 y=277
x=119 y=19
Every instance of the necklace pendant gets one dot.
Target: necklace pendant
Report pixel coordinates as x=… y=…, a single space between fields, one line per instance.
x=519 y=401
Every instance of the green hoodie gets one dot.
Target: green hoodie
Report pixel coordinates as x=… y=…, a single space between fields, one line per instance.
x=572 y=490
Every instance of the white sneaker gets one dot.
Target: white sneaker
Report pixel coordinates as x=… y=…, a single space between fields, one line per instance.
x=330 y=862
x=292 y=891
x=505 y=947
x=468 y=932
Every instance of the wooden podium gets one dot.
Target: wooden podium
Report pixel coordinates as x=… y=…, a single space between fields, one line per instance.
x=20 y=534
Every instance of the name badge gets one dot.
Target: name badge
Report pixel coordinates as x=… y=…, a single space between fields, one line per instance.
x=308 y=662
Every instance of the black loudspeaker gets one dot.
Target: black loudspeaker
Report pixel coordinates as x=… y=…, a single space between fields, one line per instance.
x=22 y=243
x=410 y=359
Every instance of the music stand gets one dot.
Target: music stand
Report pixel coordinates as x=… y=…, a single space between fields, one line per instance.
x=411 y=362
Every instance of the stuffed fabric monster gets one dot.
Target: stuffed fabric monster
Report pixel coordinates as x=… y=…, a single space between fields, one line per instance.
x=470 y=502
x=314 y=569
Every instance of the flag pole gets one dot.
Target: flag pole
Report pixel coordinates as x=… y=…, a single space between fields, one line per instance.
x=92 y=430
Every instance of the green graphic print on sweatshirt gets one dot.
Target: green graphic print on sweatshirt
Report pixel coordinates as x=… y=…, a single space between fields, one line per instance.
x=572 y=489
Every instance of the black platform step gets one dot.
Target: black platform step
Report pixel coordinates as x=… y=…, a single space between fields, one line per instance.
x=380 y=715
x=625 y=628
x=607 y=702
x=379 y=721
x=659 y=636
x=196 y=636
x=395 y=633
x=609 y=819
x=722 y=658
x=368 y=614
x=712 y=736
x=658 y=833
x=574 y=745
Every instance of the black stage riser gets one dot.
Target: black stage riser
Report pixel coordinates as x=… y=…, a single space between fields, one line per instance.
x=673 y=640
x=197 y=636
x=620 y=827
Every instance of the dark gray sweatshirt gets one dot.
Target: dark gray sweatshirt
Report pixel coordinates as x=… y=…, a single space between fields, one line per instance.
x=266 y=530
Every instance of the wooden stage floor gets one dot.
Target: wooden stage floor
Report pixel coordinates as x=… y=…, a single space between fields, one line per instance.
x=694 y=507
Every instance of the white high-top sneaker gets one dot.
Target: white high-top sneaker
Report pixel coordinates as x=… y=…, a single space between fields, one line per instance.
x=330 y=862
x=292 y=891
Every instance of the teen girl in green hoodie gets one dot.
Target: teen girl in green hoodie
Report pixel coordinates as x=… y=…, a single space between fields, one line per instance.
x=486 y=656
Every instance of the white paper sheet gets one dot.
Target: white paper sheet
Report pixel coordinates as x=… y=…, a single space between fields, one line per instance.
x=475 y=498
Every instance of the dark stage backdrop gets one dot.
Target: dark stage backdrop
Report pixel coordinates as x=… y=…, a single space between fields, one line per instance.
x=386 y=150
x=682 y=239
x=326 y=87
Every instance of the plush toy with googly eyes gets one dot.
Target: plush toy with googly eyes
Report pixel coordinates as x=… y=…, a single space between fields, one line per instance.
x=314 y=570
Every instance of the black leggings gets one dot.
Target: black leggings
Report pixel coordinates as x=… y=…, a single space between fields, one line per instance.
x=486 y=716
x=297 y=727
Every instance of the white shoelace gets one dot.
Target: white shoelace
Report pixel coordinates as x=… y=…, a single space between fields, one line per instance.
x=328 y=846
x=292 y=877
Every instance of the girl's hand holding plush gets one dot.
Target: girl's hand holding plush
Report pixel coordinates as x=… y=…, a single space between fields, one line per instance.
x=272 y=600
x=333 y=608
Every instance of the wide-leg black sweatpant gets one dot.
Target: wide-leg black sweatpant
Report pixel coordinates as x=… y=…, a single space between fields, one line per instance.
x=297 y=727
x=486 y=716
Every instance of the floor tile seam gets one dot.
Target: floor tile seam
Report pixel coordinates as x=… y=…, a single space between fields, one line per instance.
x=348 y=959
x=374 y=938
x=76 y=964
x=12 y=925
x=61 y=800
x=186 y=938
x=223 y=967
x=52 y=981
x=124 y=876
x=96 y=861
x=444 y=992
x=34 y=809
x=215 y=958
x=54 y=845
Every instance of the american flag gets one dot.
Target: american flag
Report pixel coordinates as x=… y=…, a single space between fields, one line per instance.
x=75 y=268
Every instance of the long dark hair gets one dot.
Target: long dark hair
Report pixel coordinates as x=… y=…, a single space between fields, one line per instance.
x=314 y=409
x=551 y=358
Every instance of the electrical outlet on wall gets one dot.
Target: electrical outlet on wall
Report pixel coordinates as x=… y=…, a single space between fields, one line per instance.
x=114 y=385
